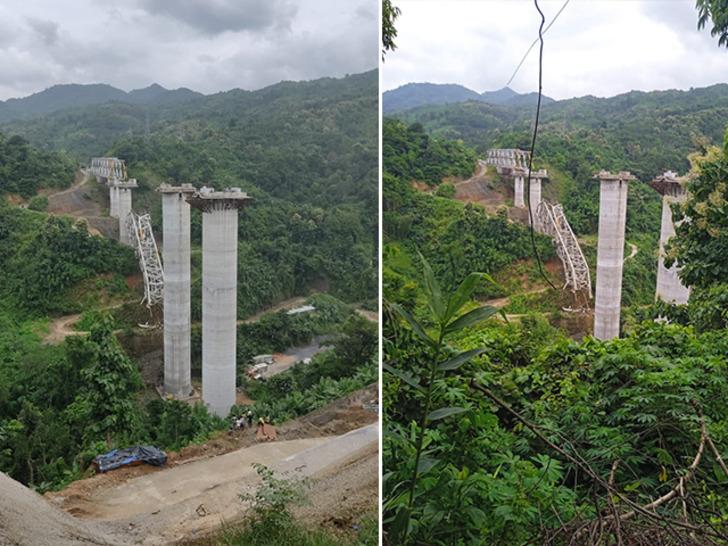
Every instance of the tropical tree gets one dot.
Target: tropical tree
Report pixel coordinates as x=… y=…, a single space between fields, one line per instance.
x=445 y=312
x=717 y=12
x=389 y=31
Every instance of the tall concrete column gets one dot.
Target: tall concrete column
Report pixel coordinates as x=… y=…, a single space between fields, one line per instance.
x=219 y=293
x=669 y=288
x=113 y=199
x=123 y=207
x=177 y=309
x=534 y=193
x=610 y=252
x=518 y=192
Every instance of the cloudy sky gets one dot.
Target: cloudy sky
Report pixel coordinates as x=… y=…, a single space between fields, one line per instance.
x=601 y=48
x=206 y=45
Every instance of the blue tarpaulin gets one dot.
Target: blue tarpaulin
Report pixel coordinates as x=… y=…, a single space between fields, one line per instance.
x=117 y=458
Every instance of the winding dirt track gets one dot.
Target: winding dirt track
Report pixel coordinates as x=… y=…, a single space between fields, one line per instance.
x=632 y=254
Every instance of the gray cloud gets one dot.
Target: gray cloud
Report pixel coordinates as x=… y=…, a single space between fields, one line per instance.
x=47 y=30
x=598 y=47
x=248 y=44
x=215 y=16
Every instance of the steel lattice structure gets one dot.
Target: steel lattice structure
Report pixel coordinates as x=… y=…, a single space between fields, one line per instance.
x=507 y=158
x=142 y=237
x=550 y=220
x=108 y=167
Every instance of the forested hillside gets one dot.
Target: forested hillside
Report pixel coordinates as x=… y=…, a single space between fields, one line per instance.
x=516 y=432
x=412 y=95
x=25 y=169
x=646 y=133
x=306 y=151
x=59 y=97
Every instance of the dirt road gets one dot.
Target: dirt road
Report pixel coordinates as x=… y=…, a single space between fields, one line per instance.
x=290 y=303
x=199 y=496
x=78 y=201
x=634 y=251
x=60 y=328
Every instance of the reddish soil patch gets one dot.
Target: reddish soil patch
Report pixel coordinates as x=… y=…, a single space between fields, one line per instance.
x=421 y=186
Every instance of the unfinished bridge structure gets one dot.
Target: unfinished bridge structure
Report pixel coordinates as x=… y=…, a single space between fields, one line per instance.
x=548 y=218
x=669 y=288
x=134 y=230
x=168 y=284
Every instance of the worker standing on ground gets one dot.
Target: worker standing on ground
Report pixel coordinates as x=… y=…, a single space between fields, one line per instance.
x=249 y=417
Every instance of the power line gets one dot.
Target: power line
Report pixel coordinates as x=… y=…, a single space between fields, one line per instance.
x=533 y=145
x=537 y=39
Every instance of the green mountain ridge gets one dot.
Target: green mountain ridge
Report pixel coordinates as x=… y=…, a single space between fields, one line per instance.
x=62 y=96
x=412 y=95
x=644 y=132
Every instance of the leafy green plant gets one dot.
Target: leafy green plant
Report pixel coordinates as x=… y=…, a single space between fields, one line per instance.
x=444 y=311
x=272 y=501
x=38 y=203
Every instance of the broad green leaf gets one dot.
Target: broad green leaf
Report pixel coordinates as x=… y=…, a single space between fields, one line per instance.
x=463 y=293
x=458 y=360
x=719 y=474
x=404 y=376
x=444 y=412
x=472 y=317
x=432 y=290
x=416 y=326
x=399 y=529
x=425 y=464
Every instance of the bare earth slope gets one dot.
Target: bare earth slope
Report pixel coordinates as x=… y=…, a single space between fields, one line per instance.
x=27 y=519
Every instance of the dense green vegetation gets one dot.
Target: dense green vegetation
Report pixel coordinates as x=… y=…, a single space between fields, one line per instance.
x=488 y=479
x=452 y=236
x=64 y=96
x=45 y=257
x=307 y=153
x=645 y=133
x=25 y=169
x=61 y=406
x=350 y=364
x=513 y=433
x=412 y=95
x=411 y=154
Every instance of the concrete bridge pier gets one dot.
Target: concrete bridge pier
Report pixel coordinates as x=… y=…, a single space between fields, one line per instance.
x=123 y=207
x=534 y=193
x=177 y=309
x=610 y=252
x=670 y=288
x=518 y=186
x=219 y=293
x=113 y=198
